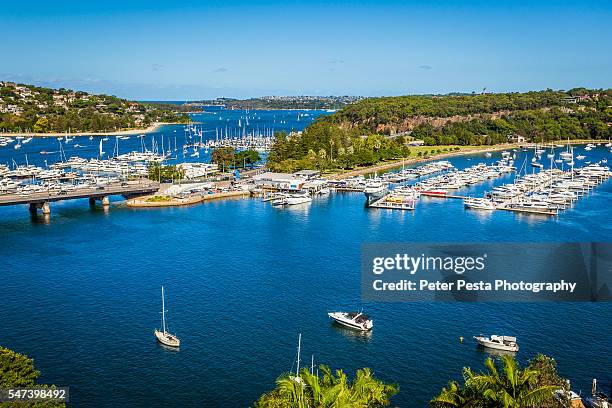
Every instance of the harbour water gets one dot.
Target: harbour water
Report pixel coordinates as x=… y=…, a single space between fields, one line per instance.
x=233 y=123
x=80 y=294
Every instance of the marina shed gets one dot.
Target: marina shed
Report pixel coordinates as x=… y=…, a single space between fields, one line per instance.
x=279 y=181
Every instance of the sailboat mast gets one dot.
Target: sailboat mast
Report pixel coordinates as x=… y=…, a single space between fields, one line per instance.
x=297 y=370
x=163 y=312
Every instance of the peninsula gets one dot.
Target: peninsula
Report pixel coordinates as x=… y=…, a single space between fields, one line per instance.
x=36 y=111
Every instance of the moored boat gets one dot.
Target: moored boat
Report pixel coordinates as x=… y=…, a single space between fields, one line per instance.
x=478 y=203
x=353 y=320
x=506 y=343
x=163 y=336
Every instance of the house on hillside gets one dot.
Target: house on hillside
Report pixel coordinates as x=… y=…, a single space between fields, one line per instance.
x=514 y=138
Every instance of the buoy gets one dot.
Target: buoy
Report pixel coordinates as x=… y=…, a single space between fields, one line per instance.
x=461 y=339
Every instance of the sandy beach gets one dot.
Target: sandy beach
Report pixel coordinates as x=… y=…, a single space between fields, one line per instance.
x=126 y=132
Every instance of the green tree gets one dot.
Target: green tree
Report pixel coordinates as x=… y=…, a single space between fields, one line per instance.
x=158 y=172
x=246 y=158
x=41 y=125
x=224 y=156
x=17 y=370
x=326 y=389
x=507 y=386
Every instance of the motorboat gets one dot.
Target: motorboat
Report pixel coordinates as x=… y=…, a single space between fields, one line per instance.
x=506 y=343
x=375 y=189
x=478 y=203
x=163 y=336
x=353 y=320
x=294 y=199
x=598 y=399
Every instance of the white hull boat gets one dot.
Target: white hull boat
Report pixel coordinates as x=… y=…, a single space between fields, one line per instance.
x=479 y=204
x=163 y=336
x=353 y=320
x=505 y=343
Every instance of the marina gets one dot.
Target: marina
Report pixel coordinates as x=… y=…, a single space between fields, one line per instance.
x=333 y=217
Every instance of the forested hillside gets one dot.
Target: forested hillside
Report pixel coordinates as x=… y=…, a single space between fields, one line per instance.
x=377 y=129
x=28 y=108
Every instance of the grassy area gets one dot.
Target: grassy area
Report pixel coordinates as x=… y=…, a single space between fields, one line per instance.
x=158 y=199
x=421 y=151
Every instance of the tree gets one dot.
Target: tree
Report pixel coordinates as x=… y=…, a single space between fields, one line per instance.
x=158 y=172
x=326 y=389
x=510 y=387
x=17 y=370
x=41 y=125
x=223 y=156
x=246 y=158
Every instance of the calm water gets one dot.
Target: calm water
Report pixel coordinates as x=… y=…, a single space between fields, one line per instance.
x=81 y=296
x=228 y=122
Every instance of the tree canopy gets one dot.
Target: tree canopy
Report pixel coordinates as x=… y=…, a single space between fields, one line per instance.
x=505 y=384
x=323 y=389
x=17 y=370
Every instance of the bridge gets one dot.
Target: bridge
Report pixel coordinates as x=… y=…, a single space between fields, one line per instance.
x=41 y=200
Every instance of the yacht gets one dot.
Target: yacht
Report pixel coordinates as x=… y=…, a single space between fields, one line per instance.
x=298 y=198
x=282 y=200
x=163 y=336
x=479 y=204
x=506 y=343
x=354 y=320
x=375 y=189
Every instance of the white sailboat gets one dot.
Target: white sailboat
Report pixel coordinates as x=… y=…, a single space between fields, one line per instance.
x=163 y=336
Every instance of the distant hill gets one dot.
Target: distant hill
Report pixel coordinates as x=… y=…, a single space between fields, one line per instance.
x=282 y=102
x=35 y=109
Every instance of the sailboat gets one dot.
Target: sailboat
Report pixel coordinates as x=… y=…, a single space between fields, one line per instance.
x=163 y=336
x=101 y=151
x=297 y=377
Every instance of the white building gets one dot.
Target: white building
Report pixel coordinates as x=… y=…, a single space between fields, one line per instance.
x=279 y=181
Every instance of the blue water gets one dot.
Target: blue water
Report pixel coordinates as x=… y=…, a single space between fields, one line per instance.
x=81 y=295
x=233 y=123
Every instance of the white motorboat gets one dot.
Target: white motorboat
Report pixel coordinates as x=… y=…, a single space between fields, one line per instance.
x=353 y=320
x=375 y=189
x=163 y=336
x=478 y=203
x=294 y=199
x=506 y=343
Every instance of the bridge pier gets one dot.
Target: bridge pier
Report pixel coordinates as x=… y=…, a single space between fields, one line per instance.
x=105 y=201
x=34 y=208
x=44 y=206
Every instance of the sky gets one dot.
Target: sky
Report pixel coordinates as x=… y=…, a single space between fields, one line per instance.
x=187 y=50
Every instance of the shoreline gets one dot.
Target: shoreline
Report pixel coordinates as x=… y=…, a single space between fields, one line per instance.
x=380 y=167
x=127 y=132
x=141 y=202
